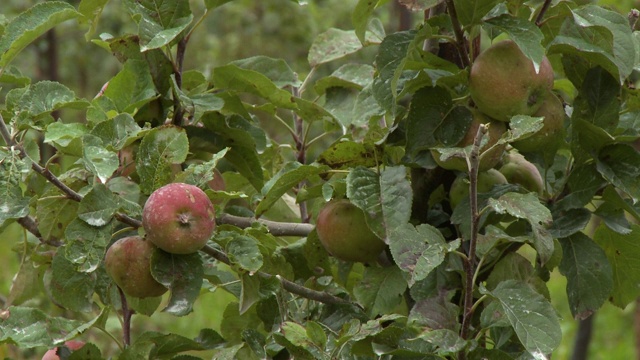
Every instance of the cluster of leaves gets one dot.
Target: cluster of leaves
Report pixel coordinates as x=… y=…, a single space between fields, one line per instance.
x=292 y=299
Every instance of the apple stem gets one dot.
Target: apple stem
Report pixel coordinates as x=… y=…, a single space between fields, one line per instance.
x=473 y=163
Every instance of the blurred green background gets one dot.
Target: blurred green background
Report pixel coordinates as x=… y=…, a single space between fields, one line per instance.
x=240 y=29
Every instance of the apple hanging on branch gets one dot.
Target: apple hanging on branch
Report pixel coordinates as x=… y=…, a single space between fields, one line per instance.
x=503 y=82
x=343 y=231
x=128 y=263
x=179 y=218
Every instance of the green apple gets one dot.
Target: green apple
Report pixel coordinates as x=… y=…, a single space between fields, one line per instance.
x=503 y=82
x=490 y=155
x=344 y=233
x=519 y=170
x=128 y=263
x=486 y=181
x=552 y=127
x=178 y=218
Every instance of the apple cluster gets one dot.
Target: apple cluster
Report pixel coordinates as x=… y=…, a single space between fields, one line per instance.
x=504 y=83
x=177 y=218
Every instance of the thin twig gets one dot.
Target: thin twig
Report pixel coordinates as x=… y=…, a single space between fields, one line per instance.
x=543 y=10
x=457 y=30
x=470 y=263
x=301 y=148
x=274 y=227
x=126 y=319
x=290 y=286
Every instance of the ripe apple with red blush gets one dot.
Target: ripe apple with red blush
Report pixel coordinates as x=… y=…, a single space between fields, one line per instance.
x=178 y=218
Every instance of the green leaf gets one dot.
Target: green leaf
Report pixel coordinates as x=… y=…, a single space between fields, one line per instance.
x=333 y=44
x=385 y=198
x=115 y=133
x=54 y=213
x=69 y=288
x=132 y=87
x=98 y=206
x=29 y=327
x=418 y=250
x=600 y=36
x=29 y=25
x=521 y=127
x=212 y=4
x=200 y=174
x=46 y=96
x=351 y=75
x=523 y=32
x=392 y=56
x=91 y=10
x=361 y=14
x=277 y=70
x=623 y=44
x=244 y=251
x=159 y=149
x=13 y=203
x=289 y=176
x=514 y=266
x=86 y=244
x=528 y=207
x=67 y=138
x=584 y=181
x=100 y=161
x=447 y=341
x=434 y=121
x=345 y=154
x=233 y=77
x=236 y=135
x=531 y=316
x=296 y=340
x=435 y=313
x=598 y=101
x=159 y=22
x=182 y=274
x=472 y=12
x=569 y=222
x=623 y=252
x=620 y=165
x=589 y=274
x=12 y=75
x=380 y=289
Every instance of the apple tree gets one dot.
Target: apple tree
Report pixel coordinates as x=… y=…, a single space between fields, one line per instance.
x=540 y=94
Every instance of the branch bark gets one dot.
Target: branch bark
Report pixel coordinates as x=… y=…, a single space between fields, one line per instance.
x=470 y=262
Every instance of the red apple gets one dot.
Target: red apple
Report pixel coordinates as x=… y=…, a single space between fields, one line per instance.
x=71 y=344
x=178 y=218
x=128 y=263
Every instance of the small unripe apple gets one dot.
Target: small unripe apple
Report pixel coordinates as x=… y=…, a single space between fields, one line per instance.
x=178 y=218
x=503 y=81
x=71 y=344
x=490 y=155
x=128 y=263
x=344 y=233
x=486 y=180
x=217 y=183
x=552 y=127
x=519 y=170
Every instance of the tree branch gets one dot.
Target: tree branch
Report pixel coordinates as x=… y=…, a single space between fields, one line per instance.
x=457 y=30
x=470 y=262
x=288 y=285
x=275 y=228
x=543 y=10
